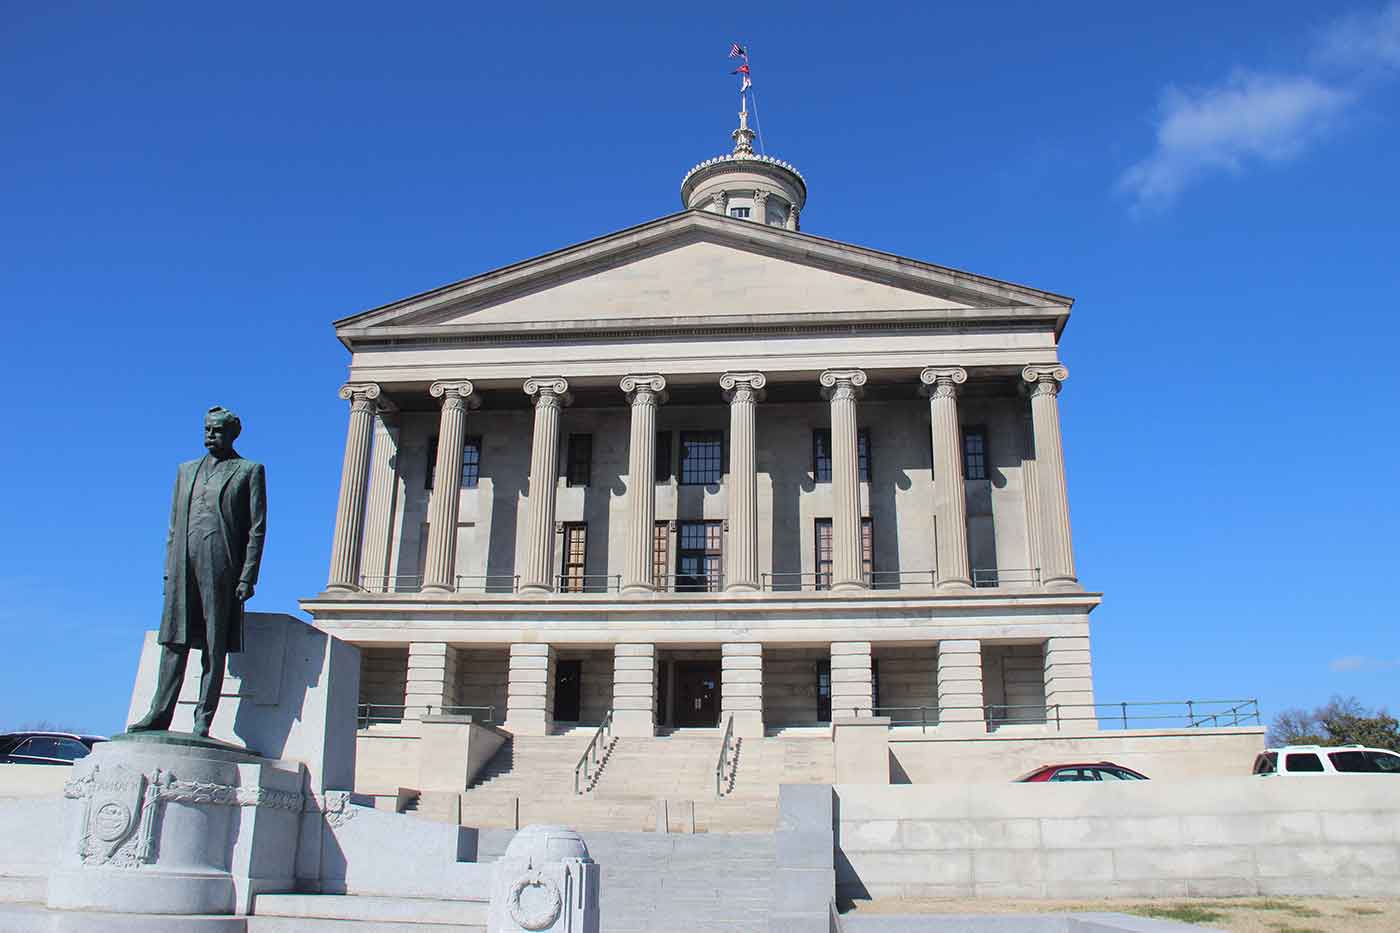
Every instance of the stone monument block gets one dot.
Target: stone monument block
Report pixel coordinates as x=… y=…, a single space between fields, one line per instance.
x=291 y=694
x=545 y=882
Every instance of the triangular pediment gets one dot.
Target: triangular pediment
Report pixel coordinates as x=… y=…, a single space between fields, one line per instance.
x=689 y=268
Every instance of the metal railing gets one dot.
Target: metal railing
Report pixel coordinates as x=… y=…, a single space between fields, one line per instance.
x=379 y=714
x=896 y=579
x=728 y=758
x=487 y=583
x=997 y=576
x=590 y=583
x=691 y=583
x=584 y=770
x=404 y=583
x=1140 y=714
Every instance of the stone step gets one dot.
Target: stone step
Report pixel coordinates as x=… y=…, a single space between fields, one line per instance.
x=420 y=911
x=326 y=925
x=24 y=888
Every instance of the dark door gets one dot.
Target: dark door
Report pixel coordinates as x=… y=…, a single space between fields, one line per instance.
x=697 y=693
x=566 y=690
x=823 y=691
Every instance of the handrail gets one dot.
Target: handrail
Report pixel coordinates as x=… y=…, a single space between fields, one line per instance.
x=1186 y=714
x=365 y=713
x=402 y=583
x=725 y=761
x=486 y=583
x=587 y=582
x=589 y=758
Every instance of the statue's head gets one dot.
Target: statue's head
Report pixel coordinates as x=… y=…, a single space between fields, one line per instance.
x=221 y=428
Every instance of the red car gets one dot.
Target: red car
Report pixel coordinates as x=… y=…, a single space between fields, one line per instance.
x=1088 y=771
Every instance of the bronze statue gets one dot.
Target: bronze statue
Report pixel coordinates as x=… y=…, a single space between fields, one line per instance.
x=212 y=554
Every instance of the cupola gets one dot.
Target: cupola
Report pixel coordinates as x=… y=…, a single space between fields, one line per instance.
x=747 y=184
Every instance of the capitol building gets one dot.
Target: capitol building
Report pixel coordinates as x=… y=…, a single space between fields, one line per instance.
x=712 y=471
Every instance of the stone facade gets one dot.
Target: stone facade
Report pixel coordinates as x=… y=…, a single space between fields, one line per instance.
x=711 y=468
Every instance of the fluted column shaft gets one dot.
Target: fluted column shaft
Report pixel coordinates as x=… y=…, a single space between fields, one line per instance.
x=949 y=493
x=742 y=391
x=354 y=477
x=846 y=565
x=383 y=497
x=550 y=396
x=440 y=567
x=644 y=393
x=1057 y=549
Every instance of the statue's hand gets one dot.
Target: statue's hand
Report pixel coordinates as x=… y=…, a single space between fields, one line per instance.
x=244 y=592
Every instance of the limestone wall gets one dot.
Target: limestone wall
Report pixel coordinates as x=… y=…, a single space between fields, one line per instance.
x=17 y=781
x=790 y=684
x=383 y=675
x=1214 y=838
x=1011 y=751
x=482 y=676
x=908 y=678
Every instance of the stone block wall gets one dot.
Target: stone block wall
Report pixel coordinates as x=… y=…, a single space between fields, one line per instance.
x=741 y=687
x=634 y=690
x=908 y=677
x=383 y=674
x=483 y=676
x=851 y=690
x=1213 y=838
x=790 y=684
x=1013 y=682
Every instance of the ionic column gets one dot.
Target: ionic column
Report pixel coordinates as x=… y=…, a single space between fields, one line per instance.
x=846 y=565
x=383 y=498
x=742 y=391
x=550 y=394
x=949 y=495
x=644 y=393
x=440 y=567
x=960 y=702
x=1056 y=546
x=354 y=475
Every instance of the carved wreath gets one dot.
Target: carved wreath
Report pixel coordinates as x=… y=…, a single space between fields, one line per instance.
x=543 y=917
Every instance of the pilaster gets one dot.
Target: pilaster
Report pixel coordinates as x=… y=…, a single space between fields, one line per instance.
x=429 y=681
x=530 y=689
x=644 y=394
x=949 y=493
x=1069 y=683
x=354 y=476
x=1057 y=549
x=741 y=687
x=742 y=391
x=634 y=690
x=852 y=684
x=440 y=567
x=847 y=568
x=960 y=701
x=550 y=395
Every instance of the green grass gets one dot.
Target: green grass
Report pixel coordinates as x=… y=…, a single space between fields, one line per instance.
x=1186 y=913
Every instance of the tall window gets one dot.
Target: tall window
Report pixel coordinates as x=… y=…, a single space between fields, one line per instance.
x=702 y=456
x=824 y=690
x=471 y=462
x=698 y=557
x=571 y=579
x=663 y=456
x=580 y=465
x=661 y=553
x=974 y=453
x=740 y=212
x=821 y=455
x=823 y=550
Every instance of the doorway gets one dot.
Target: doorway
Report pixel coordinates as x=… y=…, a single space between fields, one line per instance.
x=567 y=678
x=697 y=693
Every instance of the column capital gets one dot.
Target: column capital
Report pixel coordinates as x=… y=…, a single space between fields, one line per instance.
x=644 y=386
x=548 y=390
x=455 y=393
x=742 y=387
x=839 y=383
x=942 y=381
x=718 y=201
x=1044 y=378
x=365 y=396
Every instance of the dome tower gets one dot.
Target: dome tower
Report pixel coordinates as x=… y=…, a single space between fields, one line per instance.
x=746 y=184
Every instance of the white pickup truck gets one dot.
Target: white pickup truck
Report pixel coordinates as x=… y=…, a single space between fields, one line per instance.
x=1316 y=760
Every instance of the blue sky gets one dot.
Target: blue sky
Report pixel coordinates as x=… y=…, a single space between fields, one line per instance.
x=189 y=196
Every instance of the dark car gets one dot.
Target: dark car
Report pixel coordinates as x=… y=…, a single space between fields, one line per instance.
x=45 y=748
x=1084 y=771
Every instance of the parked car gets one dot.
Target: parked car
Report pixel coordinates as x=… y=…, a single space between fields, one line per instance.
x=1083 y=771
x=1313 y=760
x=45 y=748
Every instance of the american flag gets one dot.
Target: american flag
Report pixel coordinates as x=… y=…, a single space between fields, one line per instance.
x=738 y=51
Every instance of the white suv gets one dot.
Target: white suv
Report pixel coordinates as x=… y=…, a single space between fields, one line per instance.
x=1314 y=760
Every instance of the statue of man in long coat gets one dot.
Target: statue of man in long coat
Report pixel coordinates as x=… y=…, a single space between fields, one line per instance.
x=212 y=553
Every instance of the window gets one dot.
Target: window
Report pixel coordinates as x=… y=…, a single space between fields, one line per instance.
x=661 y=553
x=974 y=453
x=821 y=455
x=1365 y=762
x=702 y=455
x=471 y=462
x=580 y=465
x=1266 y=764
x=1302 y=762
x=51 y=747
x=698 y=557
x=741 y=212
x=572 y=579
x=663 y=456
x=824 y=691
x=823 y=555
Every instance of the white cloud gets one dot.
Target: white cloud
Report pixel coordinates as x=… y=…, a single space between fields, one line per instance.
x=1360 y=662
x=1251 y=118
